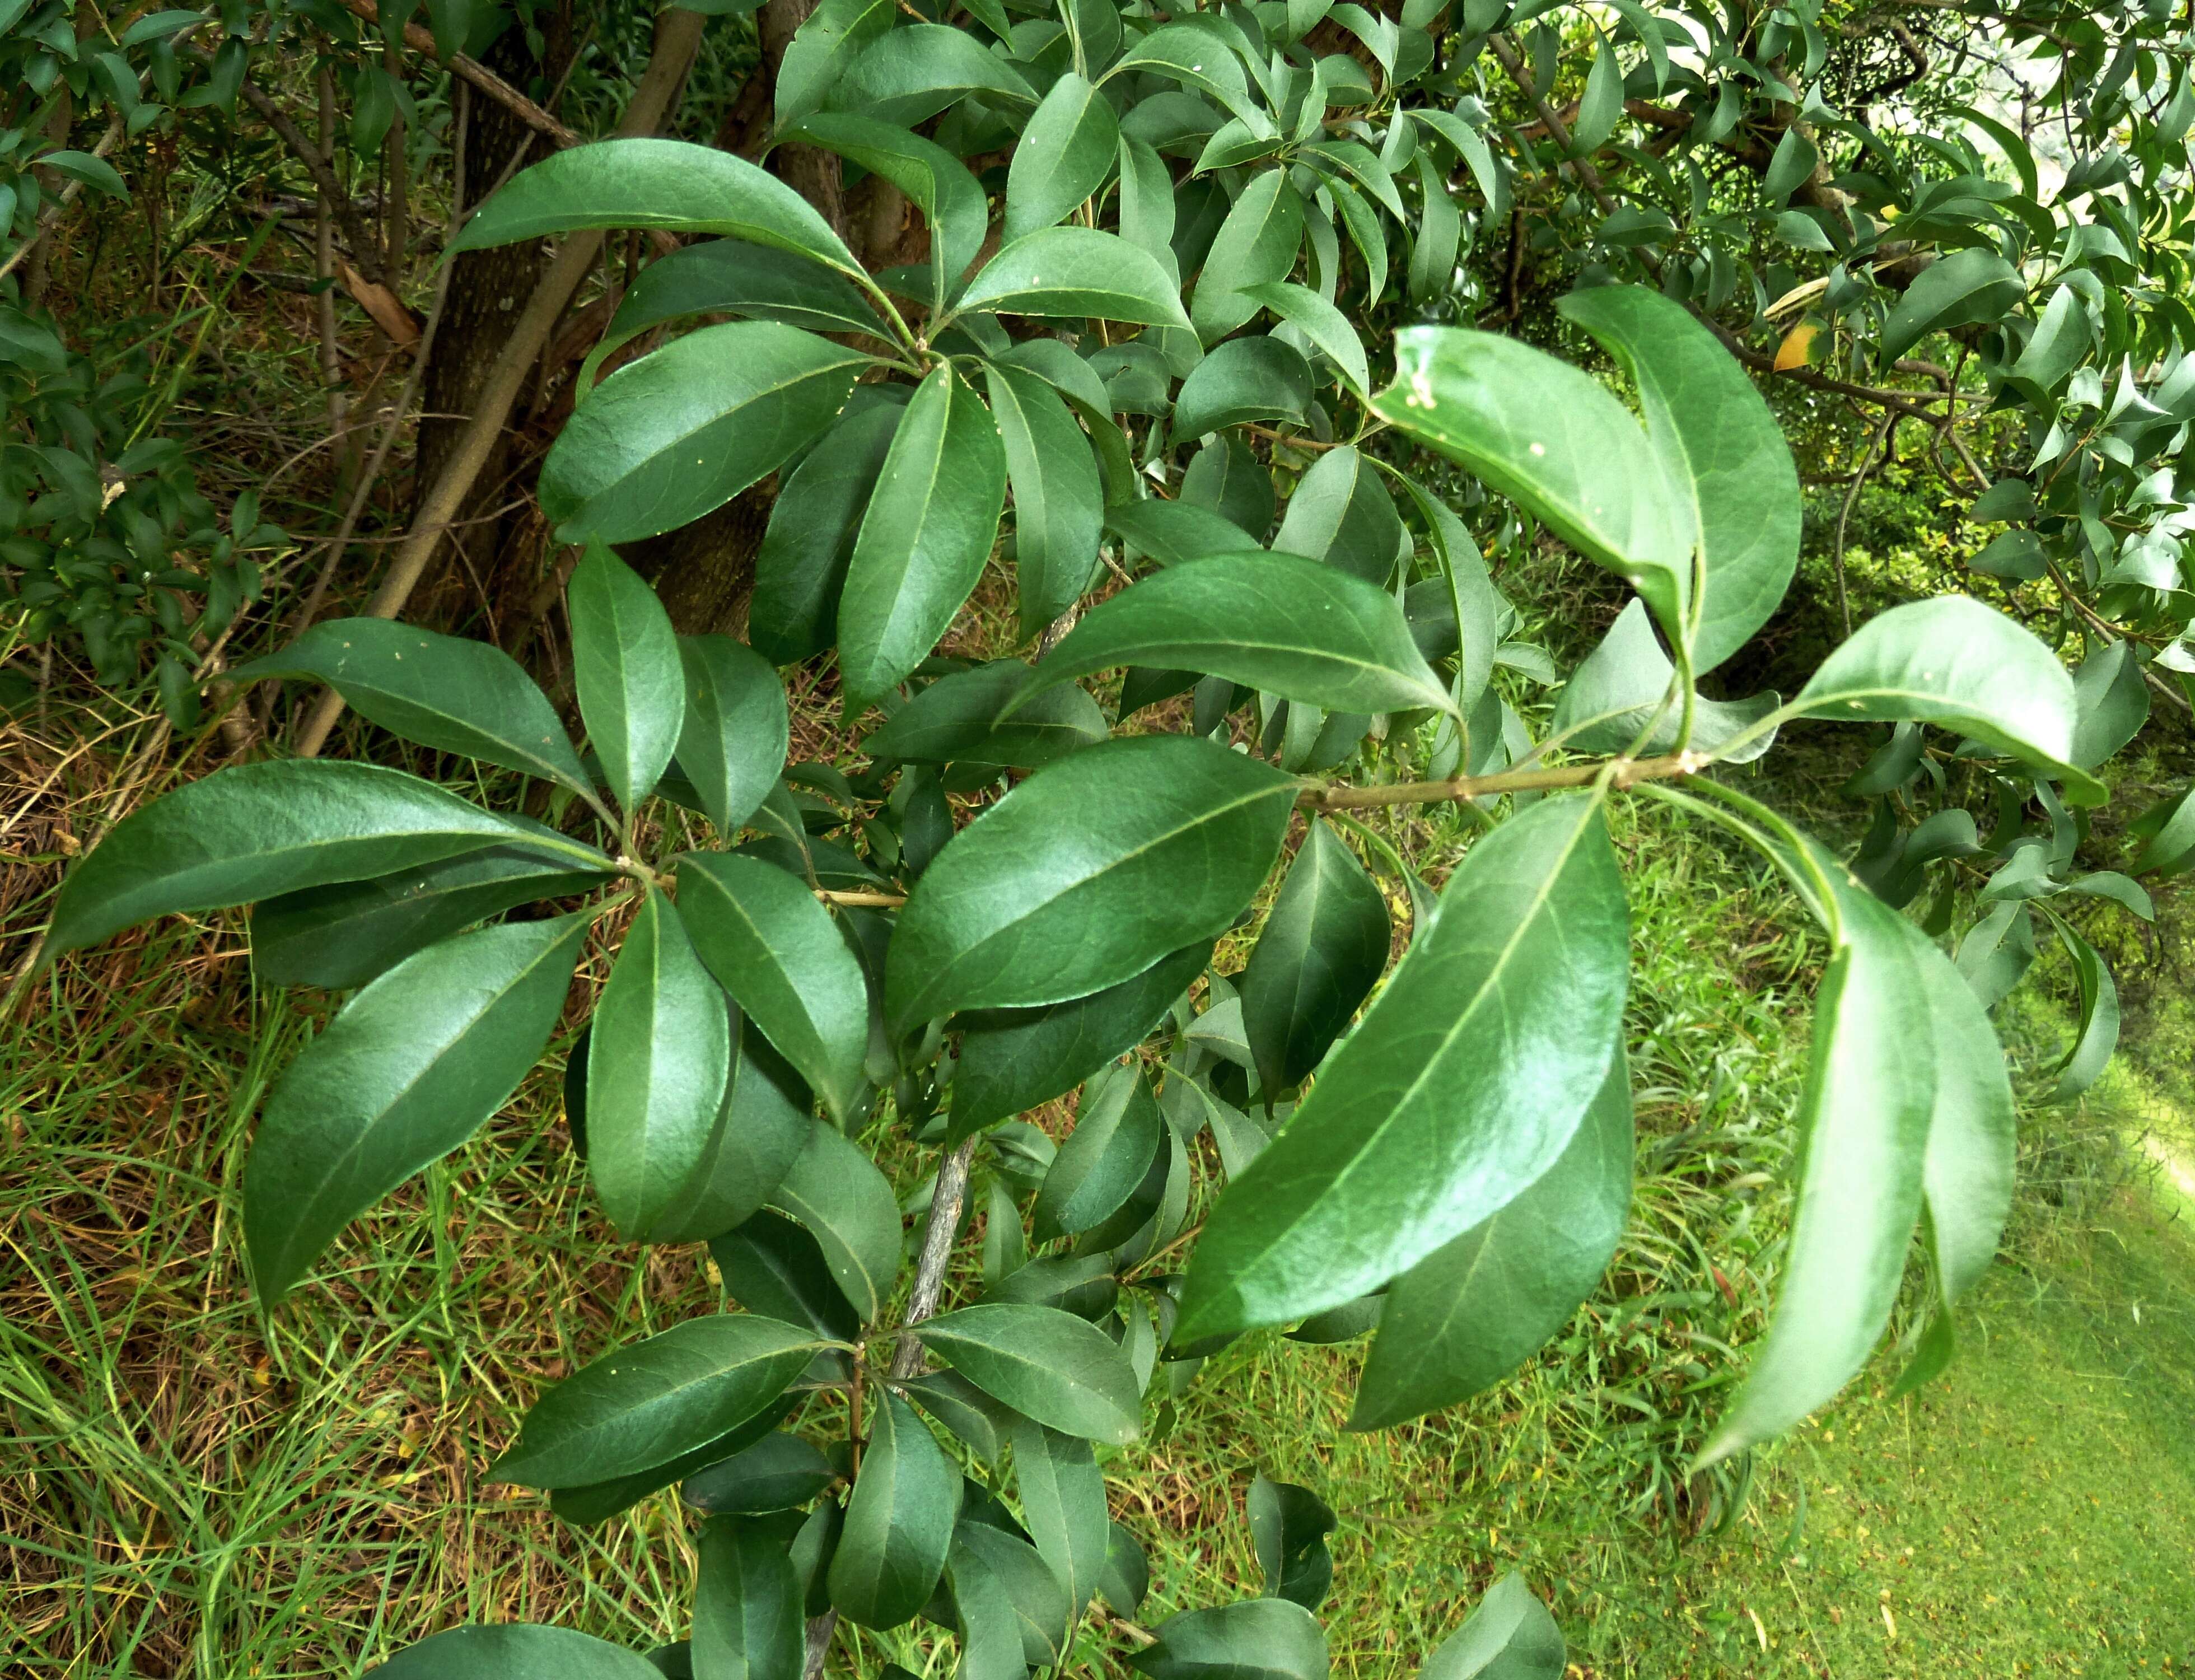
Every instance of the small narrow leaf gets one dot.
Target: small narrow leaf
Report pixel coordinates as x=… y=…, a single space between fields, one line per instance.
x=1059 y=502
x=1065 y=155
x=1063 y=1497
x=1047 y=1364
x=1318 y=957
x=1073 y=272
x=899 y=1521
x=1116 y=1135
x=732 y=739
x=626 y=669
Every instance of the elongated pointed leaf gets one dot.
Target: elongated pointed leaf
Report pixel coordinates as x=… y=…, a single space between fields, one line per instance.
x=1318 y=957
x=937 y=182
x=1065 y=155
x=1319 y=321
x=1073 y=272
x=1059 y=502
x=1508 y=1636
x=1047 y=1364
x=1277 y=622
x=1006 y=1592
x=963 y=718
x=412 y=1067
x=2112 y=702
x=1013 y=1059
x=835 y=1189
x=732 y=739
x=1257 y=1639
x=657 y=1065
x=1342 y=514
x=1289 y=1526
x=626 y=668
x=1063 y=1497
x=2099 y=1035
x=344 y=934
x=1176 y=532
x=1718 y=440
x=775 y=949
x=920 y=69
x=1556 y=441
x=830 y=38
x=1084 y=876
x=778 y=1473
x=671 y=184
x=930 y=527
x=517 y=1651
x=599 y=1501
x=441 y=691
x=254 y=831
x=1465 y=1080
x=748 y=1620
x=1954 y=662
x=648 y=1402
x=1116 y=1134
x=670 y=437
x=772 y=1266
x=1245 y=380
x=1611 y=700
x=899 y=1521
x=801 y=570
x=1257 y=243
x=761 y=1128
x=1472 y=1312
x=1962 y=289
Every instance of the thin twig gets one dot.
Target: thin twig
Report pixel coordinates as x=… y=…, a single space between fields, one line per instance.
x=61 y=201
x=1868 y=463
x=1622 y=773
x=937 y=1234
x=482 y=78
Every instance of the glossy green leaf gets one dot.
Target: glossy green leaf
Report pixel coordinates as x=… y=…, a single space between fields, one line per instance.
x=1321 y=952
x=646 y=1403
x=1508 y=1635
x=1227 y=477
x=1013 y=1608
x=1059 y=501
x=1289 y=1526
x=923 y=540
x=1127 y=1574
x=1116 y=1135
x=936 y=181
x=1342 y=513
x=1553 y=440
x=668 y=184
x=254 y=831
x=681 y=431
x=1073 y=272
x=966 y=1410
x=1065 y=156
x=831 y=37
x=899 y=1521
x=747 y=1620
x=921 y=69
x=776 y=950
x=2098 y=1034
x=801 y=569
x=412 y=1066
x=342 y=935
x=761 y=1128
x=1962 y=289
x=1718 y=441
x=1063 y=1494
x=1047 y=1364
x=772 y=1266
x=597 y=1502
x=657 y=1066
x=847 y=1204
x=778 y=1473
x=1257 y=1639
x=1013 y=1059
x=1245 y=380
x=1277 y=622
x=732 y=740
x=1256 y=244
x=626 y=668
x=2110 y=702
x=1317 y=319
x=1171 y=532
x=447 y=692
x=1084 y=876
x=1612 y=698
x=1465 y=1080
x=517 y=1651
x=1952 y=661
x=960 y=718
x=1468 y=1314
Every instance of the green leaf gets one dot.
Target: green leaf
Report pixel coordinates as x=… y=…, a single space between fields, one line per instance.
x=1012 y=1607
x=1257 y=243
x=1084 y=876
x=929 y=529
x=1013 y=1059
x=761 y=1127
x=848 y=1206
x=1257 y=1639
x=1554 y=441
x=1074 y=271
x=517 y=1651
x=1063 y=1497
x=779 y=1473
x=1320 y=954
x=446 y=692
x=919 y=70
x=899 y=1521
x=1047 y=1364
x=1184 y=54
x=254 y=831
x=1059 y=503
x=2111 y=701
x=1174 y=532
x=1465 y=1081
x=1244 y=379
x=829 y=39
x=668 y=184
x=1065 y=156
x=1863 y=1121
x=1966 y=288
x=1116 y=1135
x=1227 y=477
x=1127 y=1575
x=1718 y=444
x=748 y=1620
x=648 y=1402
x=772 y=1266
x=1319 y=321
x=598 y=1502
x=2099 y=1035
x=957 y=719
x=88 y=168
x=1277 y=622
x=342 y=935
x=1440 y=230
x=776 y=950
x=1611 y=698
x=1472 y=1312
x=412 y=1066
x=626 y=668
x=801 y=569
x=1508 y=1636
x=1342 y=513
x=966 y=1410
x=657 y=1065
x=937 y=182
x=1793 y=165
x=1289 y=1526
x=732 y=741
x=681 y=431
x=1954 y=662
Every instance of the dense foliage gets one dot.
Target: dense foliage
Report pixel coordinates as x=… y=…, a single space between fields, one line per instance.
x=1157 y=266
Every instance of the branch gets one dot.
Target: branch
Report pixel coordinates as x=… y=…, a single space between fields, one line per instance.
x=1620 y=772
x=937 y=1234
x=420 y=40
